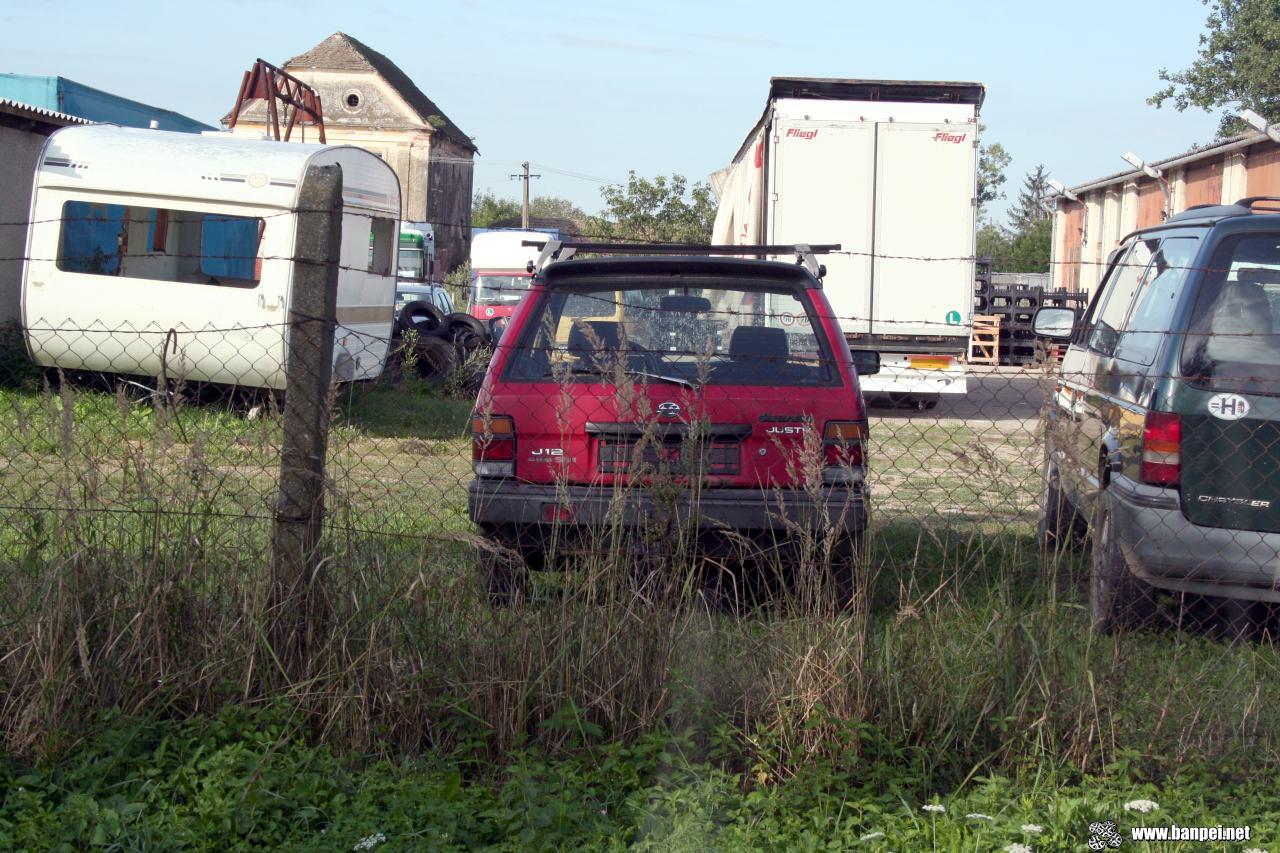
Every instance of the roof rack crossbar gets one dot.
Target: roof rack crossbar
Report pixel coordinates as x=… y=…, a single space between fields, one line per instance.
x=552 y=250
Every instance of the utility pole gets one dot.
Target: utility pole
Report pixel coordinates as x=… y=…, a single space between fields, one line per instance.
x=524 y=207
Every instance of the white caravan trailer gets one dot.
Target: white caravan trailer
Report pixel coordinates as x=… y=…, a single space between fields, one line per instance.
x=152 y=251
x=887 y=169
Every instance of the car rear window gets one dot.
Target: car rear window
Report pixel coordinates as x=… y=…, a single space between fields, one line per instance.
x=1233 y=341
x=714 y=335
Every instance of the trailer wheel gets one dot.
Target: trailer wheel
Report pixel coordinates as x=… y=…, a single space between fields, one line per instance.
x=421 y=317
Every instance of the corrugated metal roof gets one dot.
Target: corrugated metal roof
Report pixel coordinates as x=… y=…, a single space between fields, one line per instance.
x=31 y=111
x=1206 y=152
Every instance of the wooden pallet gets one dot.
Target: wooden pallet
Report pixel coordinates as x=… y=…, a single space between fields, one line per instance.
x=1049 y=352
x=984 y=345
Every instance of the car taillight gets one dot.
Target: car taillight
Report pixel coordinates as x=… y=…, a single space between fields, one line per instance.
x=843 y=449
x=493 y=446
x=1162 y=449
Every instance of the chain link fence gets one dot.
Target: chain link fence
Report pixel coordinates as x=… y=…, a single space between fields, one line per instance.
x=174 y=537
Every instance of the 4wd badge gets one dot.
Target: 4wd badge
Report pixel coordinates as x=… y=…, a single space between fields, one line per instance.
x=1228 y=407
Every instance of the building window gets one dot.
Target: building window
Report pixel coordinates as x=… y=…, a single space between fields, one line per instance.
x=352 y=99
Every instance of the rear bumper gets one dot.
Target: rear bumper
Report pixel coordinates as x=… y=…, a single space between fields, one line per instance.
x=1166 y=550
x=901 y=379
x=512 y=502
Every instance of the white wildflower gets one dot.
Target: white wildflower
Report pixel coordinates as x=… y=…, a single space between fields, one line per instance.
x=933 y=807
x=1032 y=828
x=1143 y=806
x=1017 y=848
x=979 y=816
x=371 y=842
x=1253 y=850
x=871 y=836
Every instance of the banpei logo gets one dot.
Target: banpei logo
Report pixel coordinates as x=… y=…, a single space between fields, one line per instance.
x=942 y=136
x=1104 y=834
x=797 y=133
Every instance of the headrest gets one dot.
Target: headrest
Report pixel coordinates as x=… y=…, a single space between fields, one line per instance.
x=604 y=336
x=1242 y=308
x=758 y=342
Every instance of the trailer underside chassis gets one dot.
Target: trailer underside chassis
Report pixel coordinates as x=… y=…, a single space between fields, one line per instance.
x=900 y=383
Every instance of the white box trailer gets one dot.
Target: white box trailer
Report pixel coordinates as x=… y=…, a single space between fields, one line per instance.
x=151 y=251
x=887 y=169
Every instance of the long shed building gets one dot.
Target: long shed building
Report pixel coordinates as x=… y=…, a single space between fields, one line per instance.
x=1089 y=226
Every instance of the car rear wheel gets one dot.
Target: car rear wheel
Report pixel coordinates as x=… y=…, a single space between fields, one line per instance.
x=846 y=558
x=1058 y=519
x=1118 y=601
x=502 y=571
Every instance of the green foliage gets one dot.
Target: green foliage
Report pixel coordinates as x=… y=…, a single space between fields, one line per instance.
x=1238 y=64
x=992 y=161
x=1030 y=211
x=1029 y=251
x=245 y=780
x=458 y=284
x=486 y=208
x=550 y=207
x=664 y=210
x=993 y=242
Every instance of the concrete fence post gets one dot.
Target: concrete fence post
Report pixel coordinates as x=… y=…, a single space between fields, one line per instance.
x=296 y=608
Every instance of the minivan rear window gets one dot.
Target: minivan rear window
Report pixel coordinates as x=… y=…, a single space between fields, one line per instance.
x=1233 y=340
x=712 y=335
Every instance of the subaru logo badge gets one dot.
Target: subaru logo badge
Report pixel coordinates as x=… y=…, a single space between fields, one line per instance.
x=669 y=410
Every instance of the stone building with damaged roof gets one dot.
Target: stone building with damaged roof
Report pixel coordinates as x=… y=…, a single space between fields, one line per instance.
x=370 y=103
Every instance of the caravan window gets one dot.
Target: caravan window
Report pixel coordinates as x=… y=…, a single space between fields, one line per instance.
x=160 y=244
x=382 y=245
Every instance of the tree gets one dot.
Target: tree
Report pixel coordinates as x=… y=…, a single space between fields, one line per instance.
x=1238 y=64
x=992 y=161
x=994 y=242
x=1029 y=251
x=486 y=208
x=550 y=207
x=1030 y=210
x=664 y=210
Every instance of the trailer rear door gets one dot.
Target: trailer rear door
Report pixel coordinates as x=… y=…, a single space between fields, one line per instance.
x=839 y=157
x=924 y=210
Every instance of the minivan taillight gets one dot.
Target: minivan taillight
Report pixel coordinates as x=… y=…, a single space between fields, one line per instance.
x=1162 y=449
x=843 y=449
x=493 y=446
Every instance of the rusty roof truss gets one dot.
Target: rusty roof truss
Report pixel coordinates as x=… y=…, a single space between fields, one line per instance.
x=282 y=92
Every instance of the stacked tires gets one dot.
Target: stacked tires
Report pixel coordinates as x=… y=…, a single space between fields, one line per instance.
x=440 y=345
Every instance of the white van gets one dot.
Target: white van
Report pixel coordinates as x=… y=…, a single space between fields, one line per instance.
x=151 y=251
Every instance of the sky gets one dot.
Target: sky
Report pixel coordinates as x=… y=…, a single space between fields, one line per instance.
x=587 y=91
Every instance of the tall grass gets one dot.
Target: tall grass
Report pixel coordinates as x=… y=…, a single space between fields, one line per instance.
x=133 y=570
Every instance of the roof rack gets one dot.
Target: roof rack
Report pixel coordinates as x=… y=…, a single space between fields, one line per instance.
x=1254 y=199
x=562 y=250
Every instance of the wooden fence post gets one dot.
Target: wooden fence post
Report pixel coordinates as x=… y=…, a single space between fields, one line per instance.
x=295 y=606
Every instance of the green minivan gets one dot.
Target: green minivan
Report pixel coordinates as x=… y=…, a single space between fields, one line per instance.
x=1163 y=428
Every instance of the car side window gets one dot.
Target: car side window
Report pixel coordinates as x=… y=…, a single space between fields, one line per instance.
x=1109 y=316
x=1149 y=322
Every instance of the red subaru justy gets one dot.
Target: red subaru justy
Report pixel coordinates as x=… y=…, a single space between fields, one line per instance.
x=727 y=376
